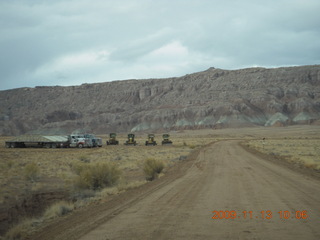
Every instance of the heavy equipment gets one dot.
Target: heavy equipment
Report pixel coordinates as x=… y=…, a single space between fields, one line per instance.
x=151 y=140
x=166 y=140
x=112 y=139
x=130 y=140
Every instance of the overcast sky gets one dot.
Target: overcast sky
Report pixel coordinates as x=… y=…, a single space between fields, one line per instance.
x=65 y=42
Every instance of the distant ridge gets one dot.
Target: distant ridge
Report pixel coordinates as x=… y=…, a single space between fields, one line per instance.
x=213 y=98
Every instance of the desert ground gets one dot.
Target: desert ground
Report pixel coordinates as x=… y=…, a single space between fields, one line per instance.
x=246 y=183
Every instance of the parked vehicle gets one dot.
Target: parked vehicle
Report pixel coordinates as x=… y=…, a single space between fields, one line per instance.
x=112 y=139
x=130 y=140
x=73 y=140
x=166 y=140
x=85 y=140
x=151 y=140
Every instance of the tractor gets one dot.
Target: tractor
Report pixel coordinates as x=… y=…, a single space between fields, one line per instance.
x=130 y=140
x=166 y=140
x=112 y=139
x=151 y=140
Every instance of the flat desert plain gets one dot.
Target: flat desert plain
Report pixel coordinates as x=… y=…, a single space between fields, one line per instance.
x=246 y=183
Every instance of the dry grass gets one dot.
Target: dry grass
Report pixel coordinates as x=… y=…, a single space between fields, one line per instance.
x=152 y=168
x=58 y=209
x=26 y=170
x=21 y=230
x=31 y=171
x=303 y=151
x=97 y=176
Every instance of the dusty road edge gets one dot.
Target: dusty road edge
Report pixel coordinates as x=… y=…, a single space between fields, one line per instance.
x=281 y=161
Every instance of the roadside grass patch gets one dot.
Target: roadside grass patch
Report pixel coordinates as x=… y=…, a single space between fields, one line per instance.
x=21 y=230
x=58 y=209
x=303 y=152
x=97 y=176
x=152 y=168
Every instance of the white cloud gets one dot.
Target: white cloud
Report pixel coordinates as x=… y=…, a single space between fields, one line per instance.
x=83 y=66
x=70 y=42
x=173 y=50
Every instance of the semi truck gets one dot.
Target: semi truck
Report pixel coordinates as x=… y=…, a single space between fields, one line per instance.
x=73 y=140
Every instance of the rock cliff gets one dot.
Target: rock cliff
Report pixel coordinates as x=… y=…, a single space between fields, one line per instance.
x=213 y=98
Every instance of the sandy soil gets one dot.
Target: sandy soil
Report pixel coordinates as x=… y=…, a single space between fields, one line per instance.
x=220 y=177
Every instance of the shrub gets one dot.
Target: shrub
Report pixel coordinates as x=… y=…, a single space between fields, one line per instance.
x=192 y=146
x=84 y=159
x=311 y=165
x=21 y=230
x=97 y=176
x=83 y=194
x=77 y=167
x=152 y=168
x=58 y=209
x=31 y=171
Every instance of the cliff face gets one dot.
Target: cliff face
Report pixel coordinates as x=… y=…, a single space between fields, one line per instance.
x=212 y=98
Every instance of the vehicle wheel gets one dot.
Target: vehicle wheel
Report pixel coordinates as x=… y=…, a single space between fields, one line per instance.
x=80 y=145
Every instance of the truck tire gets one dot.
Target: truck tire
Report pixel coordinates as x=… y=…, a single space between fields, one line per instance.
x=80 y=145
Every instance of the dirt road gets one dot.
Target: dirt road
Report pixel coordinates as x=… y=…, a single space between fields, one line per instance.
x=254 y=199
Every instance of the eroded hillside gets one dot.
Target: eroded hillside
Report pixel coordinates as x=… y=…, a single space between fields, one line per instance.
x=212 y=98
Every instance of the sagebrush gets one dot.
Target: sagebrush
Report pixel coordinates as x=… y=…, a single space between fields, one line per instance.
x=152 y=168
x=58 y=209
x=31 y=171
x=97 y=176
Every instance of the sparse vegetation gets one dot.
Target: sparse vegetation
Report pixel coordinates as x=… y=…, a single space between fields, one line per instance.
x=20 y=230
x=31 y=171
x=97 y=176
x=58 y=209
x=152 y=168
x=303 y=152
x=192 y=146
x=71 y=169
x=84 y=159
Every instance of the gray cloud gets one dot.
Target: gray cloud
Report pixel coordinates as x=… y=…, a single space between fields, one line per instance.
x=72 y=42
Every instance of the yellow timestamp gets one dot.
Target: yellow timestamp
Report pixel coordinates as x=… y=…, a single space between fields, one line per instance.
x=263 y=214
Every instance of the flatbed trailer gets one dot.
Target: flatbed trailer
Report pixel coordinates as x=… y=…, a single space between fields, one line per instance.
x=38 y=141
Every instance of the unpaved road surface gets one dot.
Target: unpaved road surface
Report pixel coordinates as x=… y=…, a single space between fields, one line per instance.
x=223 y=177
